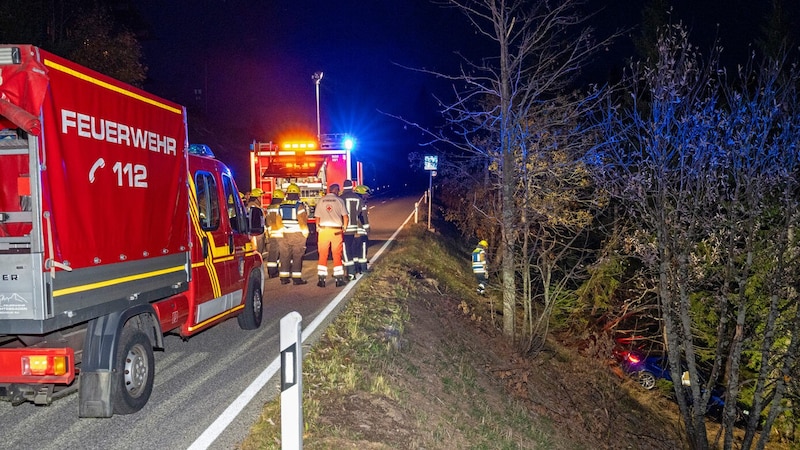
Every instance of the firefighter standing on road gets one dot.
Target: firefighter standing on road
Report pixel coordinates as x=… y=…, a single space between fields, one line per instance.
x=332 y=218
x=292 y=247
x=274 y=232
x=480 y=266
x=354 y=204
x=362 y=234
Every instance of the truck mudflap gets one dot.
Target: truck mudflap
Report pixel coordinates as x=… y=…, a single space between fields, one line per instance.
x=118 y=368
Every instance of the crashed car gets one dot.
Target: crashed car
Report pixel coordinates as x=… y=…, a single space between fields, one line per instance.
x=648 y=369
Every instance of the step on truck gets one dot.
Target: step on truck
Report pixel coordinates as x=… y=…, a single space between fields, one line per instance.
x=113 y=231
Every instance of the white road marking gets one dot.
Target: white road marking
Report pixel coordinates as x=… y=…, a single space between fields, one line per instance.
x=234 y=409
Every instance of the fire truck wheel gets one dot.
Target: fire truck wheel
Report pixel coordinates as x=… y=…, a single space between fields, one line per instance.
x=250 y=317
x=134 y=370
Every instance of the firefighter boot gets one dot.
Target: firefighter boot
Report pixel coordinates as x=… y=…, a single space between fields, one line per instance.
x=341 y=281
x=272 y=272
x=297 y=281
x=285 y=280
x=321 y=282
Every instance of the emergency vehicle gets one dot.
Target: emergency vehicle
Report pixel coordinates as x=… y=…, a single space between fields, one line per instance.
x=311 y=164
x=113 y=231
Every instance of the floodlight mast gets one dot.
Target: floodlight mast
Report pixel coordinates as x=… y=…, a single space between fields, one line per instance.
x=317 y=77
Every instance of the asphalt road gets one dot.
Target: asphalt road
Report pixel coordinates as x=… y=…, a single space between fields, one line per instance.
x=198 y=379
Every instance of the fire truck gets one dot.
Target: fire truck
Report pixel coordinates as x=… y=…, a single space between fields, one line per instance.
x=113 y=231
x=312 y=164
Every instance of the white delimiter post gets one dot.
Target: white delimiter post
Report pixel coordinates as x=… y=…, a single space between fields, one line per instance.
x=291 y=382
x=430 y=197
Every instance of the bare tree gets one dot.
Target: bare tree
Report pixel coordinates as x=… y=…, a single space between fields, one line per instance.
x=706 y=168
x=540 y=47
x=762 y=192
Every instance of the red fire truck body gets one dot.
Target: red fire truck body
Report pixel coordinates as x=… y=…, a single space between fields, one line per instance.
x=113 y=231
x=311 y=164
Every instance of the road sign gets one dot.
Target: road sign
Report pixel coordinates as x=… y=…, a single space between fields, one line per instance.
x=431 y=162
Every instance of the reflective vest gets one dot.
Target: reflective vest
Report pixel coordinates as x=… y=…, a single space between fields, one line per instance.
x=479 y=260
x=294 y=216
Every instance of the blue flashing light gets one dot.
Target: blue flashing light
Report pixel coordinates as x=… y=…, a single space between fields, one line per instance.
x=348 y=143
x=200 y=149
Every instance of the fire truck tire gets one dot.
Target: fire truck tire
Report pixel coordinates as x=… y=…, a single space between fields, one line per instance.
x=134 y=369
x=250 y=317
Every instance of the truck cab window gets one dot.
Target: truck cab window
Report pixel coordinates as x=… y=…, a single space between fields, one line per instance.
x=236 y=212
x=207 y=201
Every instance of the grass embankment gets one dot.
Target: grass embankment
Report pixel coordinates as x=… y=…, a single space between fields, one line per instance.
x=368 y=385
x=412 y=363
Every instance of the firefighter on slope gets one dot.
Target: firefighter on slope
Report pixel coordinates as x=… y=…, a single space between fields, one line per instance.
x=362 y=234
x=480 y=266
x=354 y=204
x=332 y=219
x=292 y=247
x=274 y=232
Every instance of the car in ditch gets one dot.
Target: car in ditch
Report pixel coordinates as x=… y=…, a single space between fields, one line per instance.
x=648 y=369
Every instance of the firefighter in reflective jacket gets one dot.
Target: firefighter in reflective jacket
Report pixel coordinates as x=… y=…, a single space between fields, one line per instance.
x=292 y=247
x=480 y=266
x=354 y=204
x=274 y=232
x=362 y=234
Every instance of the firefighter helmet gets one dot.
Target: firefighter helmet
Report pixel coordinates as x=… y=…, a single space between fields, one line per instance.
x=278 y=193
x=256 y=192
x=292 y=189
x=361 y=189
x=483 y=243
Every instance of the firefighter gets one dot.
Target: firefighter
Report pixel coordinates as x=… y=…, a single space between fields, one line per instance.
x=354 y=204
x=292 y=247
x=480 y=266
x=256 y=217
x=274 y=232
x=332 y=219
x=362 y=234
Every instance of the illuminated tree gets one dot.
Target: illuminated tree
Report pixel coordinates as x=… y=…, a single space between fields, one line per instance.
x=708 y=170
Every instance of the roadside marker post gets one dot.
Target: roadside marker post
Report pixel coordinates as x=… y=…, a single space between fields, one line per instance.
x=291 y=382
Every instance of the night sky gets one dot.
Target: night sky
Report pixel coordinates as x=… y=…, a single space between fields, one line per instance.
x=253 y=61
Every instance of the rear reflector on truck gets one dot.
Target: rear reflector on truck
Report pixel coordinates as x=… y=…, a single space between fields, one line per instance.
x=37 y=365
